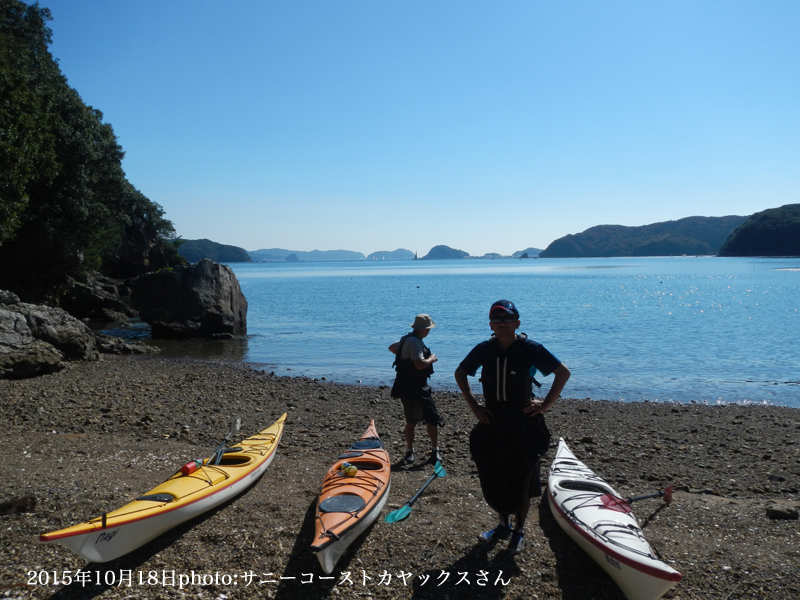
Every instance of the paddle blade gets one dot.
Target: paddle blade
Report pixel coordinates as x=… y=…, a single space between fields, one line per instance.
x=398 y=515
x=236 y=424
x=439 y=470
x=668 y=494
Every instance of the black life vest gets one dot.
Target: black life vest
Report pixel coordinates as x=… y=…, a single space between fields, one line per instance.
x=407 y=365
x=507 y=375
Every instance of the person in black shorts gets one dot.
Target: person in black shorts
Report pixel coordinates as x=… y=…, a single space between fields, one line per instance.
x=414 y=365
x=511 y=436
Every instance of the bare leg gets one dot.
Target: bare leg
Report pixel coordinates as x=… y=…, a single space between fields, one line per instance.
x=433 y=433
x=408 y=432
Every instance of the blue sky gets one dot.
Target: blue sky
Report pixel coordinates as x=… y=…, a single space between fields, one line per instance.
x=487 y=126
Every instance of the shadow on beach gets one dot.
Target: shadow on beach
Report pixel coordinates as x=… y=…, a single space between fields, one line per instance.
x=579 y=577
x=108 y=575
x=303 y=565
x=474 y=574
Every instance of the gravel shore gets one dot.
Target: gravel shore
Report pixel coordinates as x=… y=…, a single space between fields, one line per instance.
x=92 y=437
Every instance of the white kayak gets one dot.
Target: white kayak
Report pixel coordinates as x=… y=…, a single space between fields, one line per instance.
x=594 y=515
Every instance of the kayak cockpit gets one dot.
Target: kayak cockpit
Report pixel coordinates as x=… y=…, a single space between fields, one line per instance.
x=585 y=486
x=234 y=460
x=156 y=498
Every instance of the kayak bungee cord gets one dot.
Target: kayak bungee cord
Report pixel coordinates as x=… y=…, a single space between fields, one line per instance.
x=374 y=486
x=327 y=531
x=586 y=498
x=367 y=482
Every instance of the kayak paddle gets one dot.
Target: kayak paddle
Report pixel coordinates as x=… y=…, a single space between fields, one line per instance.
x=402 y=513
x=236 y=422
x=666 y=494
x=623 y=504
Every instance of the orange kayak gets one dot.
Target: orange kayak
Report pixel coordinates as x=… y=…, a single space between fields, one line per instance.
x=351 y=499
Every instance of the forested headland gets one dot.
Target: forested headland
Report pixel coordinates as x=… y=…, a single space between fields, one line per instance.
x=691 y=236
x=66 y=206
x=196 y=250
x=771 y=232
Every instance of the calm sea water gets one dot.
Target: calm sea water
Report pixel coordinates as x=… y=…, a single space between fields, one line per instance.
x=690 y=329
x=700 y=329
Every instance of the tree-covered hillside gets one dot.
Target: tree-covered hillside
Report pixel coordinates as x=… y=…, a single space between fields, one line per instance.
x=66 y=206
x=772 y=232
x=692 y=235
x=196 y=250
x=444 y=253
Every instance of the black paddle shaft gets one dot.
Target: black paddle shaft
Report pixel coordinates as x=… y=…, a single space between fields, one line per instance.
x=666 y=494
x=422 y=489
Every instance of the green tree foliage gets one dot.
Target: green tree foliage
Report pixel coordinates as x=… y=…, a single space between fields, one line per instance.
x=692 y=235
x=771 y=232
x=27 y=141
x=444 y=253
x=196 y=250
x=65 y=204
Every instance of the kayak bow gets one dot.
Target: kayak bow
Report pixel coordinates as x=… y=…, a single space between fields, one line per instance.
x=602 y=524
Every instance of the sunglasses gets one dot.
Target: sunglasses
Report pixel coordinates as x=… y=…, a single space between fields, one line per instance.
x=500 y=321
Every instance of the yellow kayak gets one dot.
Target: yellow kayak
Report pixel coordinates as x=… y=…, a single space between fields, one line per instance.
x=196 y=488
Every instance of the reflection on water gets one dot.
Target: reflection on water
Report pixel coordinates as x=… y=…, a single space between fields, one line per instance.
x=682 y=329
x=662 y=329
x=234 y=348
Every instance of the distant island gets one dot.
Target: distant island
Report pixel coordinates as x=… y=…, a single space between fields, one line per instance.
x=527 y=253
x=398 y=254
x=689 y=236
x=444 y=253
x=280 y=255
x=771 y=232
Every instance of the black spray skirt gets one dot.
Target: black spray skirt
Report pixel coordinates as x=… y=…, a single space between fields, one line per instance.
x=507 y=452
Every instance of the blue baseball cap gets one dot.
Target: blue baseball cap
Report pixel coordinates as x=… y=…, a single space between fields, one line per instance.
x=506 y=306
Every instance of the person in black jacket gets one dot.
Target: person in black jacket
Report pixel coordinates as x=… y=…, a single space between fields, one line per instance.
x=414 y=365
x=511 y=436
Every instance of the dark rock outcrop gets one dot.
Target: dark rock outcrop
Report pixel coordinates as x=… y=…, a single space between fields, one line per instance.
x=35 y=340
x=202 y=300
x=109 y=344
x=98 y=299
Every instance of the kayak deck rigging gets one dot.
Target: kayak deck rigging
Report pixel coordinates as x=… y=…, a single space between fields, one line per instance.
x=590 y=502
x=351 y=499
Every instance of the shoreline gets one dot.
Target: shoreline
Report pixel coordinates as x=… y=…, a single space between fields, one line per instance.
x=87 y=439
